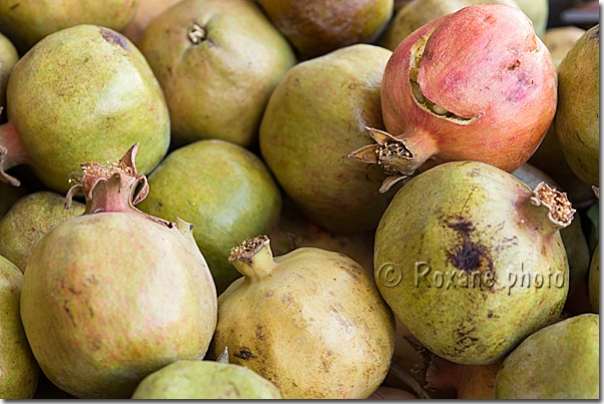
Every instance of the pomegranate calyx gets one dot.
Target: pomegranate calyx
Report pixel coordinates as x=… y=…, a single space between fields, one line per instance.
x=388 y=152
x=253 y=258
x=561 y=212
x=113 y=187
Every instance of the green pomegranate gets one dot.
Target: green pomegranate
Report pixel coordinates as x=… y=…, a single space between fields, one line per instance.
x=471 y=260
x=218 y=63
x=18 y=368
x=315 y=117
x=27 y=21
x=594 y=281
x=115 y=294
x=82 y=94
x=224 y=190
x=205 y=380
x=561 y=361
x=577 y=118
x=8 y=58
x=29 y=220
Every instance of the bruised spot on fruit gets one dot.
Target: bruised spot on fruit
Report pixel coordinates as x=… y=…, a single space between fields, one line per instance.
x=468 y=256
x=244 y=353
x=114 y=38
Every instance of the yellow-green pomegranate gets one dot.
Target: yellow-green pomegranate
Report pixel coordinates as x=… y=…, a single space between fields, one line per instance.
x=471 y=260
x=310 y=321
x=578 y=115
x=18 y=368
x=205 y=380
x=30 y=218
x=314 y=118
x=561 y=361
x=218 y=63
x=28 y=21
x=115 y=294
x=85 y=93
x=224 y=190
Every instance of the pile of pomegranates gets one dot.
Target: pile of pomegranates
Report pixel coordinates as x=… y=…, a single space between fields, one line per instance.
x=301 y=199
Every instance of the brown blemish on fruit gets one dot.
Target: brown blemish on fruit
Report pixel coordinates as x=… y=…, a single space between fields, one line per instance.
x=244 y=353
x=468 y=255
x=114 y=38
x=259 y=332
x=515 y=65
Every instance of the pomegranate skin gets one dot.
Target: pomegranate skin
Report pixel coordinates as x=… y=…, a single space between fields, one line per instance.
x=115 y=294
x=471 y=260
x=100 y=315
x=492 y=75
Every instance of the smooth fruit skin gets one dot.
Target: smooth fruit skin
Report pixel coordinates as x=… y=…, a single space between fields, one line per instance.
x=27 y=21
x=86 y=94
x=557 y=362
x=29 y=220
x=18 y=368
x=109 y=298
x=218 y=86
x=578 y=115
x=205 y=380
x=224 y=190
x=317 y=27
x=315 y=117
x=452 y=253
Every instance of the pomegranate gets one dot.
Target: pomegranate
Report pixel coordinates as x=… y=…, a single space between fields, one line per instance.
x=84 y=93
x=561 y=361
x=471 y=260
x=311 y=321
x=477 y=84
x=115 y=294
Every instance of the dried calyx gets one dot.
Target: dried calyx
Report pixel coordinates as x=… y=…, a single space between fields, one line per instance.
x=113 y=187
x=389 y=153
x=197 y=34
x=253 y=258
x=560 y=210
